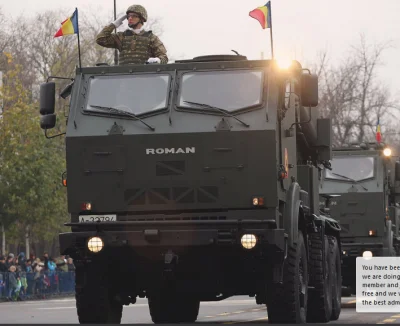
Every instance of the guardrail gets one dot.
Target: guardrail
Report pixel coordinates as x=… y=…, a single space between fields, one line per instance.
x=23 y=285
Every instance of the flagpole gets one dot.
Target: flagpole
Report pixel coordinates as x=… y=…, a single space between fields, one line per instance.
x=115 y=17
x=270 y=30
x=79 y=42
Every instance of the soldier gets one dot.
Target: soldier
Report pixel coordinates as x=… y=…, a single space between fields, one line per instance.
x=136 y=46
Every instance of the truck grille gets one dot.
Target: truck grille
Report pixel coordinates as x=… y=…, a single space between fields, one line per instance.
x=225 y=237
x=166 y=168
x=173 y=195
x=174 y=218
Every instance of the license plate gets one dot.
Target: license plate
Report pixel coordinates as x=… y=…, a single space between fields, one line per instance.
x=98 y=218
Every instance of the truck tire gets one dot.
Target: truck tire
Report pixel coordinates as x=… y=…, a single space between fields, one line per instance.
x=287 y=302
x=93 y=301
x=320 y=297
x=337 y=278
x=166 y=308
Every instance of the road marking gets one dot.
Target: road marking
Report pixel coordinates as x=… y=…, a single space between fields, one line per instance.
x=262 y=318
x=55 y=308
x=209 y=303
x=259 y=309
x=245 y=321
x=396 y=316
x=389 y=320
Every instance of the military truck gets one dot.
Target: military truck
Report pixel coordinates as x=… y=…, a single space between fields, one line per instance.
x=361 y=193
x=196 y=181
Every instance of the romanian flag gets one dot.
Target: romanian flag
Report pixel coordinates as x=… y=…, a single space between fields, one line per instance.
x=69 y=26
x=378 y=132
x=263 y=15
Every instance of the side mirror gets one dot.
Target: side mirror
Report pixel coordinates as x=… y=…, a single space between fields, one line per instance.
x=48 y=121
x=397 y=171
x=47 y=98
x=309 y=90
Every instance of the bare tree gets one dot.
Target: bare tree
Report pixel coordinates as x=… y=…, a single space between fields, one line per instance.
x=354 y=97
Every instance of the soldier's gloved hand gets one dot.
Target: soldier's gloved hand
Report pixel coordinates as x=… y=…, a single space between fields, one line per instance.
x=118 y=22
x=154 y=60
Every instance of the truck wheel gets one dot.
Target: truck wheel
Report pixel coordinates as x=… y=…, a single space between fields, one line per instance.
x=287 y=302
x=93 y=302
x=165 y=308
x=320 y=297
x=336 y=277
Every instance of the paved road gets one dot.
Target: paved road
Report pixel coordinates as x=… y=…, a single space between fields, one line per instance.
x=230 y=311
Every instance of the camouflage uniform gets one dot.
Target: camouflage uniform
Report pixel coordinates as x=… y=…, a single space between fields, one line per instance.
x=134 y=48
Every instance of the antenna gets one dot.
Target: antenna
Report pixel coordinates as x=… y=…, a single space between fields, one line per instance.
x=115 y=17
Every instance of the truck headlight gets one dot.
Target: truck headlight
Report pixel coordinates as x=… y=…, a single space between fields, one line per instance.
x=387 y=152
x=367 y=254
x=248 y=241
x=95 y=244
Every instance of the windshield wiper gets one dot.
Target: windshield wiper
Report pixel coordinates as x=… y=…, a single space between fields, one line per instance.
x=124 y=113
x=355 y=181
x=218 y=109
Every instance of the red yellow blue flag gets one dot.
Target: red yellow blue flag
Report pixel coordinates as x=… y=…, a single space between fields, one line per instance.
x=69 y=26
x=378 y=132
x=263 y=15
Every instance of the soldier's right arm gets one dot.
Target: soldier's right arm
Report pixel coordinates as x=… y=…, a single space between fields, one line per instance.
x=107 y=39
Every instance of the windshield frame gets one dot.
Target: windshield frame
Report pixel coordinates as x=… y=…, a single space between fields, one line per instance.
x=85 y=91
x=344 y=180
x=203 y=110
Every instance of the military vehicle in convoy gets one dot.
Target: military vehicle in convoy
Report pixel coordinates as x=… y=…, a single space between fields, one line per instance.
x=360 y=192
x=197 y=181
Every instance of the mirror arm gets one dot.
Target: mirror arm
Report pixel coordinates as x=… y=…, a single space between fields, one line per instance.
x=49 y=137
x=301 y=122
x=56 y=77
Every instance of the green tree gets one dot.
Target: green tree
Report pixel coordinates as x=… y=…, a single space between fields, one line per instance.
x=31 y=192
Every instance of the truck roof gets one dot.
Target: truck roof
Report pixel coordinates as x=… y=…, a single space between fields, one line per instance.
x=371 y=147
x=201 y=62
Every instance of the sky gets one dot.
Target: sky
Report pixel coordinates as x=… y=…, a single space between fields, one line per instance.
x=301 y=29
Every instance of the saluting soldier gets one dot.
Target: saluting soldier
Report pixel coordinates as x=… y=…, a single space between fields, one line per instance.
x=136 y=46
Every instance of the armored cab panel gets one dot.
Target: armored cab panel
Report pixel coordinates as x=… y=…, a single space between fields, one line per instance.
x=394 y=215
x=324 y=129
x=308 y=181
x=185 y=148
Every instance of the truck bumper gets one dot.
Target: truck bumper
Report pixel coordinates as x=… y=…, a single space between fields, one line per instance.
x=199 y=256
x=350 y=252
x=176 y=234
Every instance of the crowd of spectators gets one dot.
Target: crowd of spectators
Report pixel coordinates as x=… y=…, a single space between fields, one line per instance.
x=22 y=277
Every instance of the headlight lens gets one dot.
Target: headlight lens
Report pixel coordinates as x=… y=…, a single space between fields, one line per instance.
x=248 y=241
x=387 y=152
x=367 y=254
x=95 y=244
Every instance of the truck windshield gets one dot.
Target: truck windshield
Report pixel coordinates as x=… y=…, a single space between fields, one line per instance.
x=137 y=94
x=228 y=90
x=355 y=168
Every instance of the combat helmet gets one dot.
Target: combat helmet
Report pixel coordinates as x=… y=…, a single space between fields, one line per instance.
x=138 y=9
